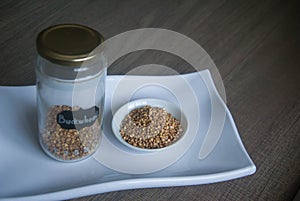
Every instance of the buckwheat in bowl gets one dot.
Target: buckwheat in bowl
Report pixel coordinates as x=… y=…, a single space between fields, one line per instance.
x=149 y=124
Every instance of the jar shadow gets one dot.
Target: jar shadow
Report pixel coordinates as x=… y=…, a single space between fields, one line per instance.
x=31 y=128
x=20 y=122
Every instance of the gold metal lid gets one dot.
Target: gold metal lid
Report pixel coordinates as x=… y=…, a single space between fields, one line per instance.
x=68 y=44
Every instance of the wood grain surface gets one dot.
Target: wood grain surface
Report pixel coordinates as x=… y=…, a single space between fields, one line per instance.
x=255 y=45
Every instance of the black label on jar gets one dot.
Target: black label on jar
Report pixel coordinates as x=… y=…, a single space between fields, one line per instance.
x=77 y=119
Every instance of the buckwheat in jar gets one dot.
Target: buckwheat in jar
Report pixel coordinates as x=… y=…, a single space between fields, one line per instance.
x=70 y=91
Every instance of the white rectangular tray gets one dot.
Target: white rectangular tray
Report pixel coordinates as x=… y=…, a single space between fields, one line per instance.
x=26 y=173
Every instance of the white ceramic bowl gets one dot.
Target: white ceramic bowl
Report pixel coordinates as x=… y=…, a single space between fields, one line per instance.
x=128 y=107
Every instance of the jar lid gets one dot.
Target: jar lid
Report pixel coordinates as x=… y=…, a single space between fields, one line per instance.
x=68 y=44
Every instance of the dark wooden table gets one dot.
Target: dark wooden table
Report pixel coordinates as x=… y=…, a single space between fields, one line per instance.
x=255 y=45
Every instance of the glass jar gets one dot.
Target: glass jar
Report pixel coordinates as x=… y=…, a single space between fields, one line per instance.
x=70 y=91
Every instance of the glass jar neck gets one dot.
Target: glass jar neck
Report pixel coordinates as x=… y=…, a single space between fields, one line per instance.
x=88 y=70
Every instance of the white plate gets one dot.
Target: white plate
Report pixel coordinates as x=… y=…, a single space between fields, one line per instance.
x=26 y=173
